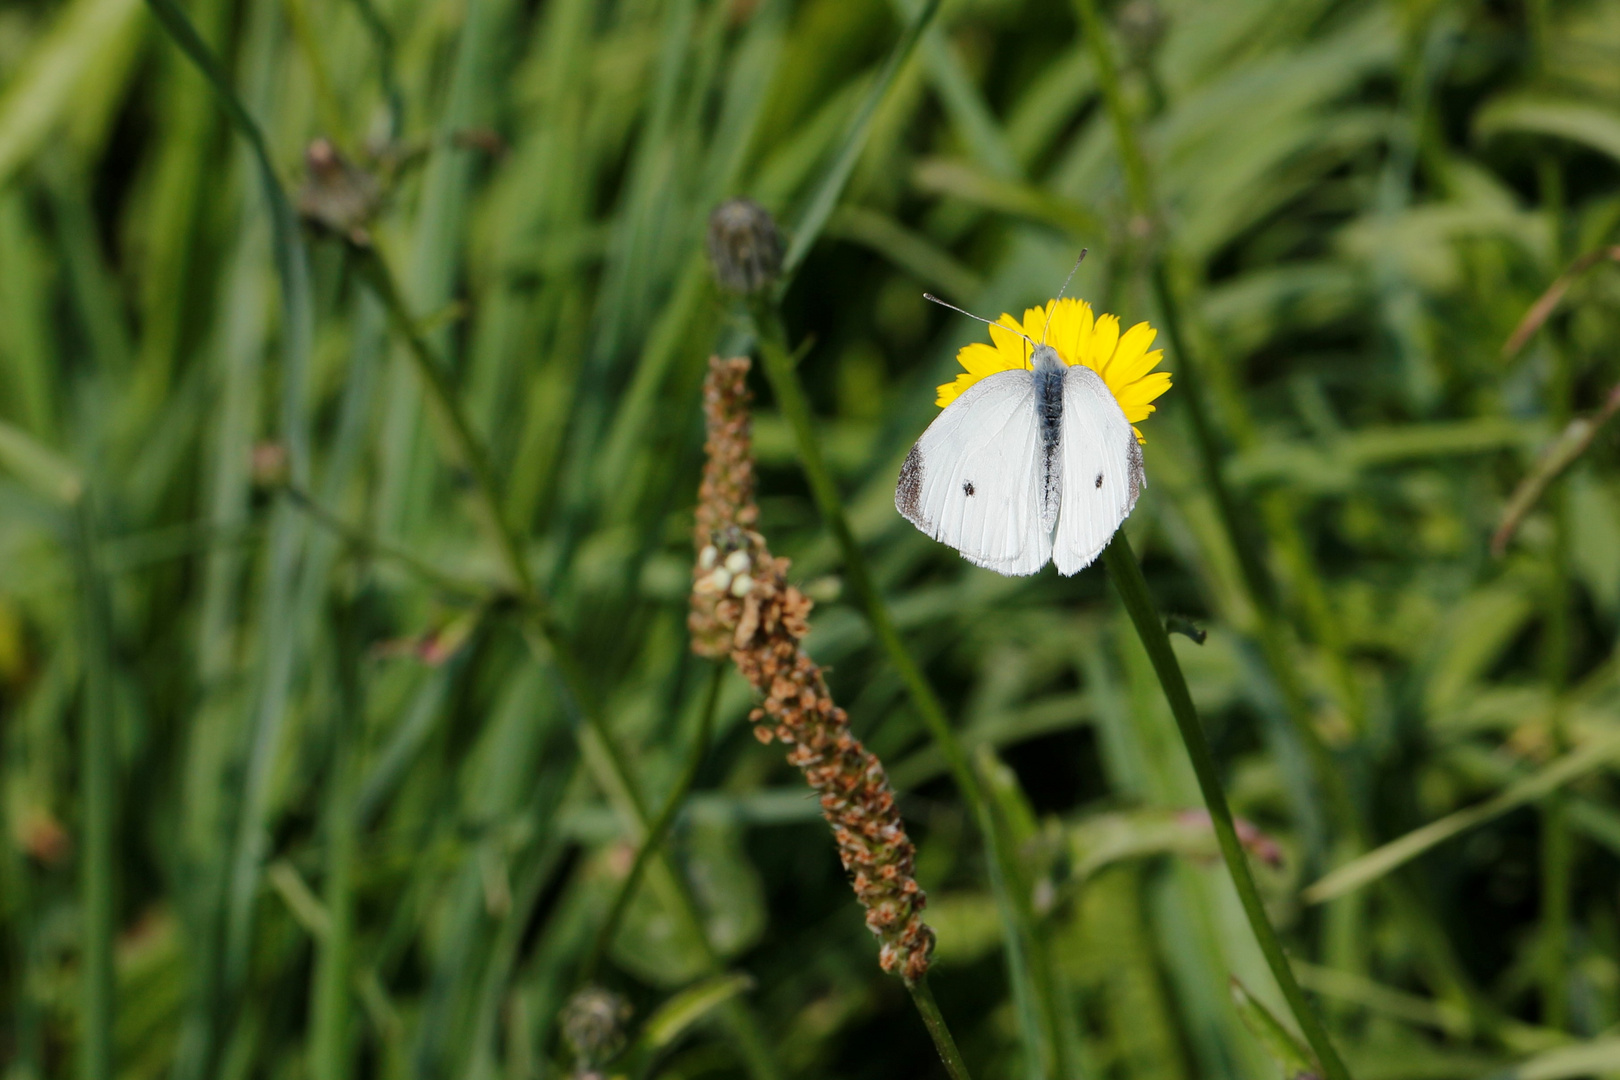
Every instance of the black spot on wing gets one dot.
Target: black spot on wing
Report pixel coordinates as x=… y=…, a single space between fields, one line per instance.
x=967 y=488
x=908 y=493
x=1099 y=480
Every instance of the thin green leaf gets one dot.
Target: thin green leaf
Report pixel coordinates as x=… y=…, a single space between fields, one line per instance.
x=1283 y=1045
x=38 y=466
x=1380 y=861
x=960 y=180
x=1599 y=1057
x=1592 y=125
x=677 y=1016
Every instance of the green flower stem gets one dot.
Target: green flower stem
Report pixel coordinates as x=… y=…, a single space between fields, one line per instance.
x=97 y=778
x=1446 y=971
x=600 y=751
x=1256 y=581
x=934 y=1021
x=1126 y=573
x=657 y=831
x=1026 y=960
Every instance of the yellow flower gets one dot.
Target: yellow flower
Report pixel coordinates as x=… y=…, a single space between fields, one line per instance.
x=1123 y=360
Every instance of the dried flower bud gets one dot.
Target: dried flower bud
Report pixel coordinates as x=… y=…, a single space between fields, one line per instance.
x=42 y=836
x=1142 y=25
x=269 y=464
x=593 y=1024
x=744 y=246
x=337 y=195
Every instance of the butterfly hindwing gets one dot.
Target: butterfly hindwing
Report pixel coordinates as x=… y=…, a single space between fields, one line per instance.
x=1102 y=470
x=974 y=479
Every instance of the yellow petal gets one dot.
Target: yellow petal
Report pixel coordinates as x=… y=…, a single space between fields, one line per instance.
x=1151 y=385
x=1133 y=345
x=980 y=359
x=1104 y=337
x=1139 y=367
x=1134 y=398
x=1035 y=321
x=1005 y=334
x=1071 y=329
x=950 y=391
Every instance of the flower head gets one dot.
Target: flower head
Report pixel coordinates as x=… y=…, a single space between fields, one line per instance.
x=1123 y=360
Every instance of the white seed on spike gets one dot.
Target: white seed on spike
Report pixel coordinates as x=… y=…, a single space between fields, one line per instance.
x=708 y=557
x=738 y=562
x=742 y=586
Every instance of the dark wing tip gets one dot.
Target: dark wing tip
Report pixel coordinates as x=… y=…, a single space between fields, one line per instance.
x=908 y=492
x=1137 y=475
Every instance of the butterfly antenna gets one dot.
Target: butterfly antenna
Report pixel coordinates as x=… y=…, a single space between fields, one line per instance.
x=1061 y=291
x=981 y=318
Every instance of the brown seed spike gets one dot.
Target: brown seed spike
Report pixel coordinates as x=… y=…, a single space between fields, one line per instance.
x=763 y=634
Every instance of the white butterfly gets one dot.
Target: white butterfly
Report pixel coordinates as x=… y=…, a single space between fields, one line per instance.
x=1025 y=467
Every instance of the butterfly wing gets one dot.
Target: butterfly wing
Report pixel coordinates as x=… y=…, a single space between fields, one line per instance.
x=1102 y=470
x=973 y=480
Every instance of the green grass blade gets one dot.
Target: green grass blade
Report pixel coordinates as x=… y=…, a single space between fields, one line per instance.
x=291 y=259
x=41 y=92
x=807 y=229
x=38 y=466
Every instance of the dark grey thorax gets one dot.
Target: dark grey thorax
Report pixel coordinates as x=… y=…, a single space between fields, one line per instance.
x=1049 y=369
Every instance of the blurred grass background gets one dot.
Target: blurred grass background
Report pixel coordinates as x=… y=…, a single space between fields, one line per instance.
x=346 y=825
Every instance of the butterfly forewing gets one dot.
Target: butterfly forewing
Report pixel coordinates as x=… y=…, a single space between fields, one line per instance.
x=1102 y=470
x=974 y=479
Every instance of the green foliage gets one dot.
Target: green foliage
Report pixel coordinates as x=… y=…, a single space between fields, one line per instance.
x=304 y=768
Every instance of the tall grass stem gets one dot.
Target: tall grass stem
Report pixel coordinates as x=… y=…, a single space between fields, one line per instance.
x=98 y=780
x=334 y=965
x=658 y=830
x=599 y=748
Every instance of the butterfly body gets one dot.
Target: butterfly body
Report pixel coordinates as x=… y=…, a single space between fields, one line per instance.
x=1026 y=466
